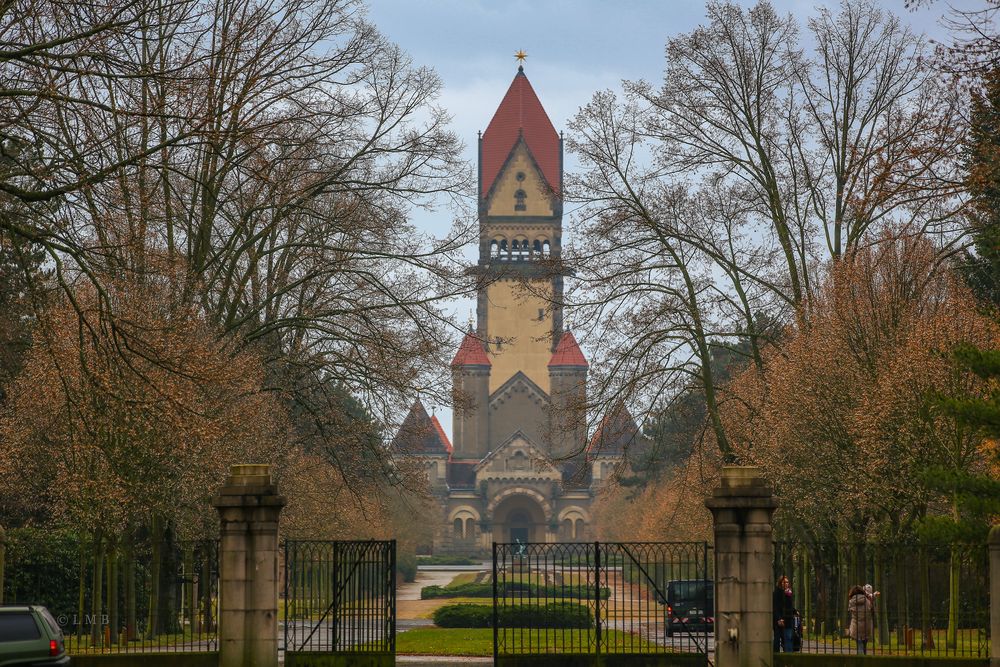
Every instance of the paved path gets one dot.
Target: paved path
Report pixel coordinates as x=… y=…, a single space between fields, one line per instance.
x=411 y=611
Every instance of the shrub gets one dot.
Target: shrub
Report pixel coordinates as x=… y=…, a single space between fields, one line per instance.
x=552 y=615
x=464 y=616
x=43 y=567
x=406 y=565
x=485 y=590
x=448 y=560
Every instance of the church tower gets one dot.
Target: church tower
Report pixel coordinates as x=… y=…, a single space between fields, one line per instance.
x=519 y=468
x=519 y=312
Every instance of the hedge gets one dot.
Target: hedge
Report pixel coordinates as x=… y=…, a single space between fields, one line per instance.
x=552 y=615
x=448 y=560
x=485 y=590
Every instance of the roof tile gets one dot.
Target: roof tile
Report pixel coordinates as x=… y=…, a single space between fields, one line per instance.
x=520 y=114
x=568 y=352
x=471 y=352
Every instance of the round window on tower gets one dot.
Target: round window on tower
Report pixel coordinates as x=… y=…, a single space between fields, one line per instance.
x=520 y=176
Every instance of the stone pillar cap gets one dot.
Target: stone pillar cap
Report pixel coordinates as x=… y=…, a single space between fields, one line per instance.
x=994 y=537
x=741 y=486
x=249 y=474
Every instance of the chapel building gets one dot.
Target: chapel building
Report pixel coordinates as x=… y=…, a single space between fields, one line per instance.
x=521 y=466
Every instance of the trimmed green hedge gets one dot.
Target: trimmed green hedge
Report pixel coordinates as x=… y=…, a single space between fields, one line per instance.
x=511 y=588
x=552 y=615
x=448 y=560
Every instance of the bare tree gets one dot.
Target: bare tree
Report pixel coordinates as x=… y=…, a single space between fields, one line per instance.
x=273 y=149
x=712 y=204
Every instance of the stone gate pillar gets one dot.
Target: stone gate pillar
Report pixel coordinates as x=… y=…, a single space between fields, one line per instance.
x=248 y=507
x=994 y=545
x=742 y=507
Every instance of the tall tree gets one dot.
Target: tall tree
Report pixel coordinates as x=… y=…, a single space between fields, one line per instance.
x=711 y=203
x=982 y=155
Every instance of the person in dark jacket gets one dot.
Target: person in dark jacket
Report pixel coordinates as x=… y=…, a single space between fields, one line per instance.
x=783 y=610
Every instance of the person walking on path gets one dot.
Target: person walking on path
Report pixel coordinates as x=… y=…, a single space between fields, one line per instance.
x=861 y=608
x=783 y=609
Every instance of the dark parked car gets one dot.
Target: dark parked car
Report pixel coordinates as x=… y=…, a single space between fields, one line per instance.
x=690 y=606
x=30 y=636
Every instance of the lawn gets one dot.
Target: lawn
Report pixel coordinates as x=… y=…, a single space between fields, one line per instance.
x=464 y=578
x=479 y=641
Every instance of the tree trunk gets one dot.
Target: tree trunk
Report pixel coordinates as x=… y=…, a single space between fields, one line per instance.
x=954 y=573
x=901 y=592
x=96 y=602
x=130 y=632
x=156 y=546
x=925 y=599
x=81 y=601
x=190 y=601
x=113 y=621
x=205 y=585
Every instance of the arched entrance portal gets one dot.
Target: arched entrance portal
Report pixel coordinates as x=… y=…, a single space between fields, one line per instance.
x=519 y=518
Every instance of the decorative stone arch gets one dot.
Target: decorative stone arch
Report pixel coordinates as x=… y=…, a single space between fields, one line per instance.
x=520 y=491
x=463 y=521
x=520 y=247
x=465 y=511
x=573 y=521
x=573 y=509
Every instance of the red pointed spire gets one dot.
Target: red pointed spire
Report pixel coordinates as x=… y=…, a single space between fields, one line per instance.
x=421 y=435
x=615 y=434
x=442 y=435
x=568 y=352
x=471 y=352
x=520 y=114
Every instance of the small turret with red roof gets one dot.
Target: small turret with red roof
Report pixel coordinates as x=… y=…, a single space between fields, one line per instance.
x=470 y=378
x=568 y=382
x=471 y=352
x=568 y=353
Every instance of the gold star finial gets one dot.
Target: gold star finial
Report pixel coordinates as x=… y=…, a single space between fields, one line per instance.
x=520 y=55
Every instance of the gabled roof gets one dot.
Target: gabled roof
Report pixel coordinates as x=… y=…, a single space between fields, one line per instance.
x=534 y=451
x=471 y=352
x=519 y=378
x=615 y=434
x=520 y=114
x=420 y=435
x=568 y=352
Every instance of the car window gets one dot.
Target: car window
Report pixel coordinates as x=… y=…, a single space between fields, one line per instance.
x=687 y=590
x=17 y=626
x=51 y=622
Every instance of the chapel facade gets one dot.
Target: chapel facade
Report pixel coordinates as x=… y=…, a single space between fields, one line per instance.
x=521 y=466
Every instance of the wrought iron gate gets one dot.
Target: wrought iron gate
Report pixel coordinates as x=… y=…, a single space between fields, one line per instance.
x=340 y=597
x=602 y=598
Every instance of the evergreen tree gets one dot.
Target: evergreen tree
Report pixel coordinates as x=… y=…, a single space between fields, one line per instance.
x=21 y=285
x=982 y=265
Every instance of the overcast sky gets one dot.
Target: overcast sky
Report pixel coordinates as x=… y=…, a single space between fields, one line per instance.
x=574 y=47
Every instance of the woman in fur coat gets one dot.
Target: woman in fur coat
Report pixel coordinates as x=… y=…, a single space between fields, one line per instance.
x=862 y=612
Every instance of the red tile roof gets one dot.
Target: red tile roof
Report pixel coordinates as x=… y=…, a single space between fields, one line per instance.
x=442 y=435
x=471 y=352
x=568 y=352
x=520 y=114
x=616 y=433
x=420 y=435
